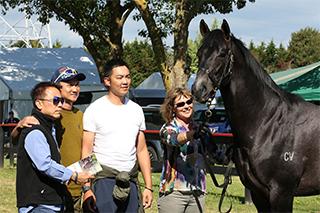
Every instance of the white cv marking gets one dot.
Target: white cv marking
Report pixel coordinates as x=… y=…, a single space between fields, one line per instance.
x=288 y=156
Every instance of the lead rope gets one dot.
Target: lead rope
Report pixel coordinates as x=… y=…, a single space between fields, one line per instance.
x=227 y=174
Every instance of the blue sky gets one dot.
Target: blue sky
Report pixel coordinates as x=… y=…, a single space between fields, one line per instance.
x=264 y=20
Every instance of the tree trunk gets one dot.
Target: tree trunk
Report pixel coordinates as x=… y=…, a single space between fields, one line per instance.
x=181 y=68
x=157 y=45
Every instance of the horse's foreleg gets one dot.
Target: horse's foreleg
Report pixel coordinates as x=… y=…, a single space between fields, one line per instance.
x=281 y=200
x=262 y=204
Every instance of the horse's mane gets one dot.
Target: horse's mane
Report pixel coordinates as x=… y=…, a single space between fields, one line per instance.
x=257 y=69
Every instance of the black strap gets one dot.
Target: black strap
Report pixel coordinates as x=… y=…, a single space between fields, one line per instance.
x=197 y=201
x=227 y=176
x=227 y=181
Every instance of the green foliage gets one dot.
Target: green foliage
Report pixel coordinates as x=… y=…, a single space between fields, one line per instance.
x=235 y=193
x=57 y=44
x=194 y=45
x=100 y=24
x=140 y=58
x=23 y=44
x=304 y=47
x=273 y=59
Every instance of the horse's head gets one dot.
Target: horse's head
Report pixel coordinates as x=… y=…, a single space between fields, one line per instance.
x=215 y=61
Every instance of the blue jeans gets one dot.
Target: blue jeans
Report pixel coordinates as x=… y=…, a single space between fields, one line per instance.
x=103 y=189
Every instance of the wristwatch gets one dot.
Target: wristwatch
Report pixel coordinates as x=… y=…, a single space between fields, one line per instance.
x=85 y=188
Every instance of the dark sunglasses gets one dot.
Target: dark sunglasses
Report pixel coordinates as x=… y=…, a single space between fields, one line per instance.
x=181 y=104
x=55 y=100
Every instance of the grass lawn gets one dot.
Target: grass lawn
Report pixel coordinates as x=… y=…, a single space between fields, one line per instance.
x=235 y=194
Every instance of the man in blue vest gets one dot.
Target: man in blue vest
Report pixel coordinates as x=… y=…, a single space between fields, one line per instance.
x=41 y=179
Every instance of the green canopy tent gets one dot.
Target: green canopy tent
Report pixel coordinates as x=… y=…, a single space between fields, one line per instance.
x=303 y=81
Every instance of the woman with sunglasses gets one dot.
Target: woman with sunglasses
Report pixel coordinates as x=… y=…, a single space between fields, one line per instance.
x=183 y=180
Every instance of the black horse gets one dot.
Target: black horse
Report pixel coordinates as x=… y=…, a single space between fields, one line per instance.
x=276 y=134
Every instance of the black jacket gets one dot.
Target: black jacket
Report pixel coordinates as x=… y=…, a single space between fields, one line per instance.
x=32 y=186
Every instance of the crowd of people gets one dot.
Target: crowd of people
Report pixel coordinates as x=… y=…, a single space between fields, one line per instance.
x=57 y=134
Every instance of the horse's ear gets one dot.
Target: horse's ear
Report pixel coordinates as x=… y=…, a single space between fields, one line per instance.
x=226 y=29
x=204 y=29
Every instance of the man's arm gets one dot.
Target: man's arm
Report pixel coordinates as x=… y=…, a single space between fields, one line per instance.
x=87 y=143
x=27 y=121
x=145 y=167
x=87 y=147
x=39 y=152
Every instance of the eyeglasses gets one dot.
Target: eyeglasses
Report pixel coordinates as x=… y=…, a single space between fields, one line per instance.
x=181 y=104
x=55 y=100
x=66 y=74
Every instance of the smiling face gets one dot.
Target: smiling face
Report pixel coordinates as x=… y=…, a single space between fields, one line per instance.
x=70 y=90
x=183 y=108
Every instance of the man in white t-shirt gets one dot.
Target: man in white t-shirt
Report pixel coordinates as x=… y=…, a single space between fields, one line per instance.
x=113 y=130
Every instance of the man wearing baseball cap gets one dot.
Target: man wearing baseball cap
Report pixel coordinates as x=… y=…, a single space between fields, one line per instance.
x=66 y=74
x=69 y=127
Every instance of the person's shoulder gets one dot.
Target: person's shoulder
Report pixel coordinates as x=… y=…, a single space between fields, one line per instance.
x=95 y=103
x=34 y=128
x=134 y=104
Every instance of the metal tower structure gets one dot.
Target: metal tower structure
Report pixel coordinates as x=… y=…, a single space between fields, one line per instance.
x=23 y=30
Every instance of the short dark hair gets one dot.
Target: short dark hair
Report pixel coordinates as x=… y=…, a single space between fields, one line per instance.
x=39 y=89
x=113 y=63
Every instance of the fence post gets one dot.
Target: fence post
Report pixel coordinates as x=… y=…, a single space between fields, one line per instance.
x=11 y=152
x=1 y=147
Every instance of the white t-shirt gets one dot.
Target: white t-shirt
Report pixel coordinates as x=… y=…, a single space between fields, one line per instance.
x=116 y=129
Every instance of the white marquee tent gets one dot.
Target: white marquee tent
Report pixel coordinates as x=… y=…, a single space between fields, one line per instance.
x=22 y=68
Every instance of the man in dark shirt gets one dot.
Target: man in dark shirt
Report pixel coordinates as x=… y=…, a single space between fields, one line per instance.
x=10 y=120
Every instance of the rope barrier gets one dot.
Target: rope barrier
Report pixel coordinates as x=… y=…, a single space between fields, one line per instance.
x=9 y=125
x=216 y=134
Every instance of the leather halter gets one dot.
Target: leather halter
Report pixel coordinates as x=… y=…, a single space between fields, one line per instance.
x=227 y=71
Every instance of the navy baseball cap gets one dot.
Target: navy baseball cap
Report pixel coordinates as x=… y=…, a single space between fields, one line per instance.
x=66 y=74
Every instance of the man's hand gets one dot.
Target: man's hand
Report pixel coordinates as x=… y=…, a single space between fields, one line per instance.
x=89 y=202
x=147 y=198
x=81 y=177
x=27 y=121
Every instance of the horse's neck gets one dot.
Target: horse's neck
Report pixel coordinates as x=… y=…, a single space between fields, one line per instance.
x=247 y=97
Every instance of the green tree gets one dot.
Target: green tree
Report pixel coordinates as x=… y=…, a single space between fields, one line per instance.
x=24 y=44
x=177 y=20
x=260 y=51
x=270 y=57
x=100 y=24
x=194 y=45
x=304 y=47
x=140 y=58
x=283 y=63
x=57 y=44
x=253 y=50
